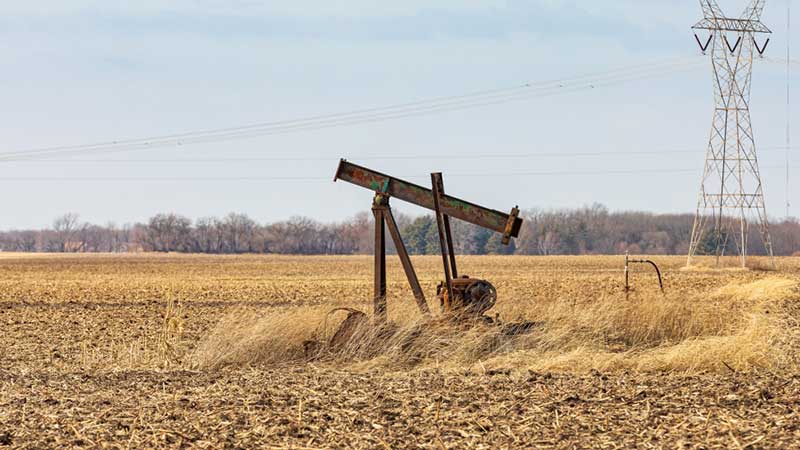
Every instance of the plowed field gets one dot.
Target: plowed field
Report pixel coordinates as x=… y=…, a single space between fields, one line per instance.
x=174 y=351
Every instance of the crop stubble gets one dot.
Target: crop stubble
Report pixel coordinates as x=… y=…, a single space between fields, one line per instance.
x=84 y=363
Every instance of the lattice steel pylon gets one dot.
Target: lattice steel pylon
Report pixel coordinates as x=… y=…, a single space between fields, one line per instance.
x=731 y=193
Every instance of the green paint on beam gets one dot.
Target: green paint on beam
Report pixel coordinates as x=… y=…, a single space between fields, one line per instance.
x=459 y=204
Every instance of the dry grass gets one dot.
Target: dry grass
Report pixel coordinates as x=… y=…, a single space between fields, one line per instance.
x=730 y=264
x=172 y=328
x=162 y=349
x=245 y=337
x=741 y=326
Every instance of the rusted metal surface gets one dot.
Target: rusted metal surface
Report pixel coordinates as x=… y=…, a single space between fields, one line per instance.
x=405 y=260
x=436 y=181
x=355 y=324
x=421 y=196
x=470 y=298
x=450 y=250
x=510 y=224
x=384 y=219
x=448 y=234
x=379 y=299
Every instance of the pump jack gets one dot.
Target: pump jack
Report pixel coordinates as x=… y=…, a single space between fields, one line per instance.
x=459 y=297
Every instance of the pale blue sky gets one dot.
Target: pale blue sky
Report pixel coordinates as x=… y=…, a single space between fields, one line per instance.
x=78 y=72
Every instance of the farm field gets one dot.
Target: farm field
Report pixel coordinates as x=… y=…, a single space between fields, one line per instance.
x=191 y=351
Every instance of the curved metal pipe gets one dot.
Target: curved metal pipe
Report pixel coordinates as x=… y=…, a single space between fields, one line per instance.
x=629 y=261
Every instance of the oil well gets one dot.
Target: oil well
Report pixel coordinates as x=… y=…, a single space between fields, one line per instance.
x=459 y=296
x=462 y=299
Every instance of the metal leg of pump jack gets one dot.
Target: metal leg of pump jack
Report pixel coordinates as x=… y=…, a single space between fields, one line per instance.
x=405 y=260
x=445 y=239
x=379 y=299
x=384 y=219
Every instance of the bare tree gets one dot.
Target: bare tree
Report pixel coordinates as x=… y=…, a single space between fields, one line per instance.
x=66 y=229
x=167 y=233
x=207 y=235
x=238 y=231
x=589 y=230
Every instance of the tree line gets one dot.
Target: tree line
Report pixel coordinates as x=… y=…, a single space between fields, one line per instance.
x=584 y=231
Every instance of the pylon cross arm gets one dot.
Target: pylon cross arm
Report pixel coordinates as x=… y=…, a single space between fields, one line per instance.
x=735 y=25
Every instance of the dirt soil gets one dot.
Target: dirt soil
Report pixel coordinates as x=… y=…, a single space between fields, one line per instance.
x=314 y=407
x=81 y=367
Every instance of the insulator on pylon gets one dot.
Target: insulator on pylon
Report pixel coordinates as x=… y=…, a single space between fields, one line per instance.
x=732 y=49
x=763 y=49
x=703 y=48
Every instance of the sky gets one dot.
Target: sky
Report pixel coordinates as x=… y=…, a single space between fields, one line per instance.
x=80 y=72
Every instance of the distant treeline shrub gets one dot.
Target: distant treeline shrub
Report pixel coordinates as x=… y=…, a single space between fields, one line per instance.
x=589 y=230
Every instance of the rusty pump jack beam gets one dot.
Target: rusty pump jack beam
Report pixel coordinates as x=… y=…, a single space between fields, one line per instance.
x=386 y=187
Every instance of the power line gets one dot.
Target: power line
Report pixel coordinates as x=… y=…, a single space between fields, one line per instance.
x=330 y=123
x=327 y=179
x=782 y=61
x=413 y=109
x=309 y=158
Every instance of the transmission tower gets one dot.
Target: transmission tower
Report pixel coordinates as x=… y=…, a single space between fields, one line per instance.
x=731 y=193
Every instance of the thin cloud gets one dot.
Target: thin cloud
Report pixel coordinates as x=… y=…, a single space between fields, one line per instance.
x=306 y=8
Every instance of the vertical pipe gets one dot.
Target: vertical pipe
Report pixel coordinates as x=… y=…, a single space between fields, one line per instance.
x=627 y=281
x=450 y=249
x=379 y=300
x=447 y=233
x=436 y=182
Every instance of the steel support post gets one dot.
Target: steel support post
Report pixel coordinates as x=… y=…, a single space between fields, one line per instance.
x=405 y=260
x=447 y=233
x=436 y=181
x=379 y=300
x=449 y=238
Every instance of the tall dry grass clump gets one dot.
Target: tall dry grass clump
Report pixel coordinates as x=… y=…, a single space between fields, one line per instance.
x=742 y=326
x=245 y=337
x=171 y=331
